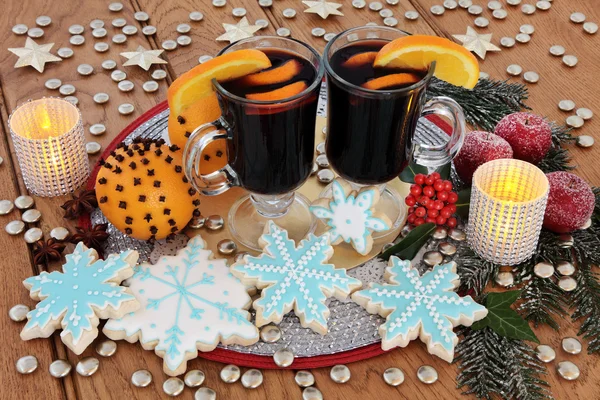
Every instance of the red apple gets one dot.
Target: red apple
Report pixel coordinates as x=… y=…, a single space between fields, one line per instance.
x=479 y=148
x=529 y=135
x=570 y=202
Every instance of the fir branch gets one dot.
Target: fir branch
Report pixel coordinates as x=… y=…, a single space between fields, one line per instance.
x=491 y=365
x=474 y=272
x=543 y=302
x=558 y=158
x=487 y=103
x=561 y=134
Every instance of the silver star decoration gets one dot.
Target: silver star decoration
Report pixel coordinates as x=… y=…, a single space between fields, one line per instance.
x=34 y=55
x=143 y=58
x=322 y=8
x=239 y=31
x=478 y=44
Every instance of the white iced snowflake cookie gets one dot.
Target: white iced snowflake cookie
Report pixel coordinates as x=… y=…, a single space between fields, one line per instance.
x=294 y=278
x=75 y=299
x=420 y=306
x=350 y=215
x=189 y=302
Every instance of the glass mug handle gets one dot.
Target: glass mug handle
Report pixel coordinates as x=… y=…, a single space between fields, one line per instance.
x=434 y=156
x=218 y=181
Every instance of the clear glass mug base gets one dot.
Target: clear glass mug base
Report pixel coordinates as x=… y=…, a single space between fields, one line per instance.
x=247 y=225
x=390 y=203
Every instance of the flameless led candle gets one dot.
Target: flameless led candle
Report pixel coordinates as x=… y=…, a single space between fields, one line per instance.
x=50 y=145
x=508 y=201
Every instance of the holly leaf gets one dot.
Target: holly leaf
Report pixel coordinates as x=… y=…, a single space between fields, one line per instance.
x=504 y=320
x=444 y=171
x=408 y=173
x=408 y=247
x=462 y=204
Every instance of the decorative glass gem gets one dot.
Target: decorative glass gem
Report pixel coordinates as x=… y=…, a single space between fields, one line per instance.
x=411 y=15
x=87 y=366
x=568 y=370
x=393 y=376
x=322 y=161
x=26 y=365
x=527 y=28
x=129 y=30
x=24 y=202
x=522 y=38
x=450 y=4
x=386 y=247
x=385 y=13
x=150 y=86
x=283 y=32
x=106 y=348
x=318 y=32
x=304 y=378
x=53 y=84
x=119 y=22
x=205 y=393
x=115 y=7
x=390 y=21
x=204 y=58
x=35 y=32
x=567 y=283
x=230 y=373
x=340 y=374
x=219 y=3
x=575 y=121
x=590 y=27
x=465 y=3
x=483 y=75
x=252 y=379
x=196 y=16
x=119 y=38
x=149 y=30
x=99 y=33
x=197 y=222
x=240 y=257
x=183 y=28
x=571 y=345
x=481 y=22
x=18 y=312
x=265 y=3
x=584 y=113
x=31 y=216
x=531 y=77
x=325 y=176
x=447 y=249
x=312 y=393
x=20 y=29
x=395 y=2
x=60 y=368
x=513 y=2
x=577 y=17
x=585 y=141
x=566 y=105
x=283 y=357
x=76 y=29
x=570 y=60
x=85 y=69
x=494 y=5
x=33 y=235
x=141 y=378
x=359 y=4
x=545 y=353
x=500 y=14
x=77 y=40
x=507 y=41
x=543 y=5
x=427 y=374
x=505 y=279
x=125 y=86
x=100 y=98
x=159 y=74
x=437 y=10
x=475 y=9
x=173 y=387
x=71 y=99
x=96 y=23
x=528 y=9
x=67 y=89
x=65 y=52
x=101 y=47
x=194 y=378
x=214 y=222
x=432 y=258
x=270 y=333
x=543 y=269
x=375 y=6
x=184 y=40
x=117 y=75
x=457 y=234
x=289 y=13
x=109 y=64
x=329 y=36
x=59 y=233
x=565 y=268
x=565 y=240
x=15 y=227
x=514 y=69
x=440 y=233
x=126 y=108
x=226 y=247
x=141 y=16
x=263 y=23
x=587 y=223
x=6 y=206
x=97 y=129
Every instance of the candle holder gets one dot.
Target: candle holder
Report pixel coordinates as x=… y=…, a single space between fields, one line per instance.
x=508 y=201
x=50 y=145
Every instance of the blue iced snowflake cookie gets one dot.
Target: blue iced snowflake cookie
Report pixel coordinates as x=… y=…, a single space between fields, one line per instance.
x=295 y=278
x=75 y=299
x=350 y=215
x=420 y=306
x=189 y=302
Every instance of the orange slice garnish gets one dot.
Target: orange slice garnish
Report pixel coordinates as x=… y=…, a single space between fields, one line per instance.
x=279 y=94
x=360 y=59
x=391 y=80
x=196 y=83
x=454 y=63
x=283 y=73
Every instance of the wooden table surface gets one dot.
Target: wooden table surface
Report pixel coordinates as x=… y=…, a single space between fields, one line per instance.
x=113 y=379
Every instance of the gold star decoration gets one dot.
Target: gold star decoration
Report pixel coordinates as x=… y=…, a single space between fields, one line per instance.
x=322 y=8
x=143 y=58
x=34 y=55
x=239 y=31
x=478 y=44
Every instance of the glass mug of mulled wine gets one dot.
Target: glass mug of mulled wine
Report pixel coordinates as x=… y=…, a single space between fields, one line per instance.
x=270 y=143
x=371 y=122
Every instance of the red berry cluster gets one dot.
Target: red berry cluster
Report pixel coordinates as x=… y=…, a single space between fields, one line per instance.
x=431 y=199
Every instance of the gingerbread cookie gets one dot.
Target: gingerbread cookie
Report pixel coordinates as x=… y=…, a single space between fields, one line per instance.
x=294 y=278
x=350 y=215
x=420 y=306
x=189 y=302
x=75 y=299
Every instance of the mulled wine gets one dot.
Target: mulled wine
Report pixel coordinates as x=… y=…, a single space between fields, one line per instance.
x=271 y=141
x=370 y=132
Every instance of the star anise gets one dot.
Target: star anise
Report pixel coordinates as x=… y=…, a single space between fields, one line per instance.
x=79 y=205
x=45 y=251
x=91 y=237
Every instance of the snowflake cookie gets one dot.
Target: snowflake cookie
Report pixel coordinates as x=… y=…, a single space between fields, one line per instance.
x=294 y=277
x=75 y=299
x=420 y=306
x=190 y=302
x=351 y=216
